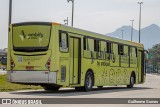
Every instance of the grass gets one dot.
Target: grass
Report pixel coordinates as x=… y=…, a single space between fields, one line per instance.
x=7 y=86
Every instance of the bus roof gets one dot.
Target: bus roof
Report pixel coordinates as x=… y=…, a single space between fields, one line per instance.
x=87 y=33
x=102 y=36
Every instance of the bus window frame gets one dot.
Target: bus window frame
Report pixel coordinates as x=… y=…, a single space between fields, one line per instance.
x=30 y=49
x=60 y=38
x=108 y=47
x=96 y=45
x=120 y=49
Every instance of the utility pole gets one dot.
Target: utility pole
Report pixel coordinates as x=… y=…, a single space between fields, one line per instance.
x=10 y=13
x=132 y=30
x=72 y=10
x=140 y=3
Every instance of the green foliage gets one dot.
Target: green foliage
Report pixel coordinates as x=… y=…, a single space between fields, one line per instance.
x=6 y=86
x=153 y=62
x=149 y=56
x=154 y=53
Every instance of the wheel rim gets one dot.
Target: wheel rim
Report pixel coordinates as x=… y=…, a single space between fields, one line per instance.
x=89 y=82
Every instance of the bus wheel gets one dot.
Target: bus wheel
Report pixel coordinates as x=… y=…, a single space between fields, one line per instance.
x=132 y=80
x=100 y=86
x=50 y=88
x=88 y=82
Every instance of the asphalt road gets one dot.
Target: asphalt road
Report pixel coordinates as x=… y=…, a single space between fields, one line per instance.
x=150 y=89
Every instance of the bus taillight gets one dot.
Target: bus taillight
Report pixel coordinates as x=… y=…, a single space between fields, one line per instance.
x=48 y=64
x=12 y=63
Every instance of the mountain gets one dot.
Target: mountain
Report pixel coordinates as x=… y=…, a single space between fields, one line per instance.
x=150 y=35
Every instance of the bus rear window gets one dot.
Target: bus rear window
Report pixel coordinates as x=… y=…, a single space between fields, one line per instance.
x=31 y=37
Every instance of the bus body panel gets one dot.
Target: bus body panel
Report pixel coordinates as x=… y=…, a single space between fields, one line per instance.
x=31 y=67
x=32 y=77
x=37 y=61
x=106 y=75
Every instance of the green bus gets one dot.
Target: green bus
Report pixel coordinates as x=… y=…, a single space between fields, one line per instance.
x=53 y=55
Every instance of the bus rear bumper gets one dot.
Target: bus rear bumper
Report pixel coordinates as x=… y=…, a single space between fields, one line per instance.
x=32 y=77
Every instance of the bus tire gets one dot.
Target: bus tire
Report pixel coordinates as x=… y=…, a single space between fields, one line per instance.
x=50 y=88
x=88 y=81
x=132 y=81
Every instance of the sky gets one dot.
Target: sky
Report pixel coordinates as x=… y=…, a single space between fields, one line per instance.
x=100 y=16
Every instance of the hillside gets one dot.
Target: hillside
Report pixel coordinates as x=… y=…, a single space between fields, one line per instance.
x=150 y=35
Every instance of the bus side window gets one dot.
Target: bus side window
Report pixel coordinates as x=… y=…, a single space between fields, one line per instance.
x=129 y=50
x=126 y=52
x=120 y=49
x=84 y=43
x=102 y=49
x=114 y=48
x=96 y=45
x=136 y=52
x=63 y=41
x=108 y=47
x=103 y=46
x=90 y=43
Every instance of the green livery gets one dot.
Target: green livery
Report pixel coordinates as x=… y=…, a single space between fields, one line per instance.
x=53 y=56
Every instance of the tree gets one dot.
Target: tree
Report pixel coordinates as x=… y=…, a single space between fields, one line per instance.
x=154 y=59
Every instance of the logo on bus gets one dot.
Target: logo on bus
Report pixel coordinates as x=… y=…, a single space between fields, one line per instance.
x=35 y=35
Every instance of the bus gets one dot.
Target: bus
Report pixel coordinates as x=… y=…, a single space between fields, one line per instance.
x=53 y=55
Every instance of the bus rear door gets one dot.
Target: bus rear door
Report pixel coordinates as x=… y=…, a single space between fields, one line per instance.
x=75 y=60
